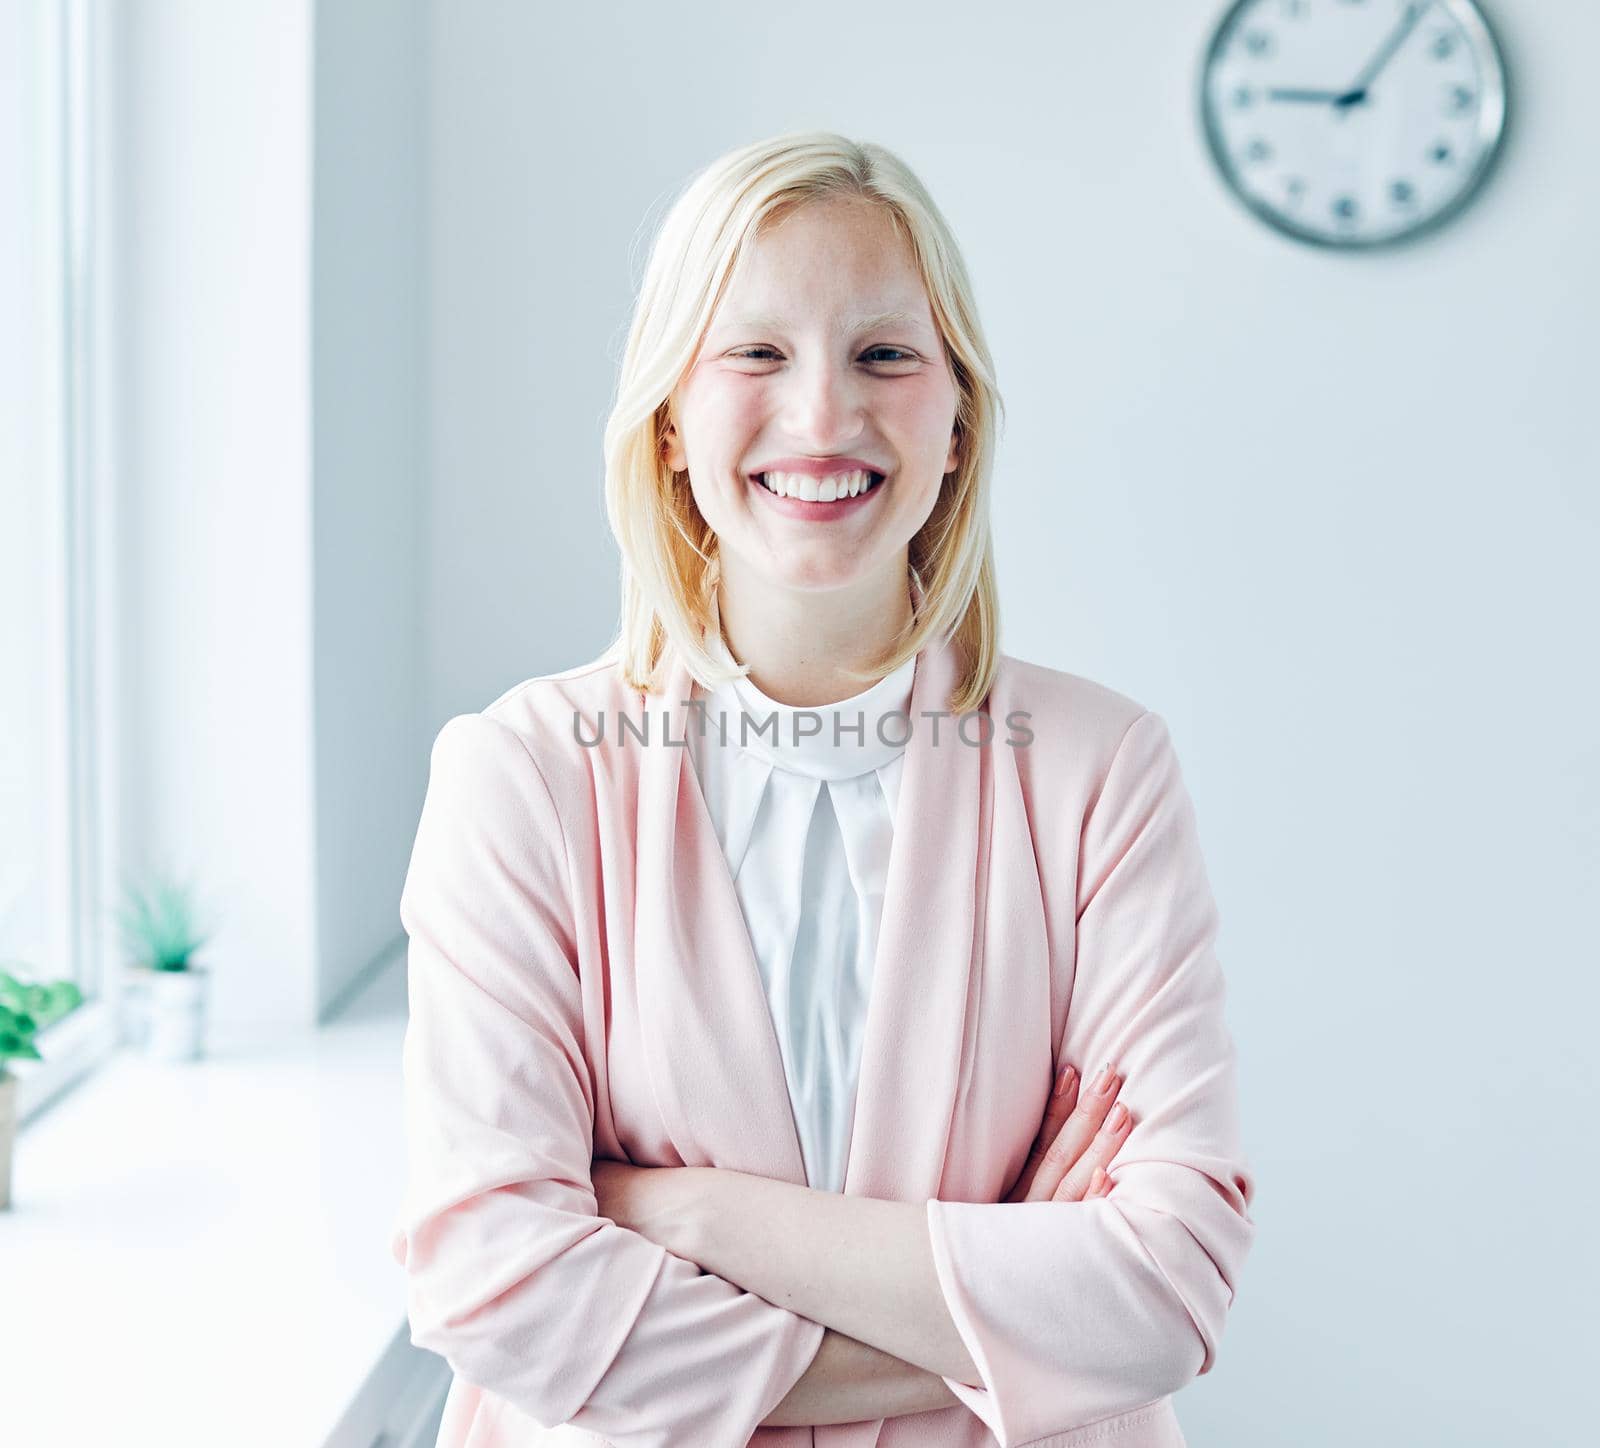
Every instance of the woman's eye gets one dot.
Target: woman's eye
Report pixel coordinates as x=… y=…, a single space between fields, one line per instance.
x=749 y=354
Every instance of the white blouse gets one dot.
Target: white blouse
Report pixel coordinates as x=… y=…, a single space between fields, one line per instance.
x=806 y=820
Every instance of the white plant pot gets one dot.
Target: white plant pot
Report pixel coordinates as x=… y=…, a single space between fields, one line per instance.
x=8 y=1135
x=176 y=1013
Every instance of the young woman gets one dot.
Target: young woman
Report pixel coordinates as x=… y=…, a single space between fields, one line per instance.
x=752 y=963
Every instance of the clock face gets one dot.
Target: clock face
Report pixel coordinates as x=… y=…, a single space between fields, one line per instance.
x=1353 y=122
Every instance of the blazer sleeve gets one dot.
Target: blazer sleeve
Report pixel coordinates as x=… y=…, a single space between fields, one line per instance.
x=1077 y=1311
x=510 y=1274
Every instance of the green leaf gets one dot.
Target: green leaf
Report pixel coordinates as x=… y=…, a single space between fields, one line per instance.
x=12 y=1019
x=158 y=926
x=18 y=1048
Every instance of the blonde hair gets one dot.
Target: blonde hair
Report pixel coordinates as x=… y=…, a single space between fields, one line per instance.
x=670 y=560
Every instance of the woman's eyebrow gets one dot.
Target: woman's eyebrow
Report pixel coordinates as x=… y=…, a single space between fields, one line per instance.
x=847 y=324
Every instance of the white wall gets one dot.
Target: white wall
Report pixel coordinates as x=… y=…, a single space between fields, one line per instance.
x=213 y=256
x=368 y=452
x=269 y=161
x=1334 y=517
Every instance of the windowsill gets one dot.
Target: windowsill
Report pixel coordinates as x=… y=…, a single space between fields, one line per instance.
x=198 y=1252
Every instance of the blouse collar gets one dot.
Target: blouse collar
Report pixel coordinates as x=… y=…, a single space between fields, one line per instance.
x=825 y=741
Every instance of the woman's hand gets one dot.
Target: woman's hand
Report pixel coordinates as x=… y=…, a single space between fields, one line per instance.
x=1078 y=1138
x=1067 y=1164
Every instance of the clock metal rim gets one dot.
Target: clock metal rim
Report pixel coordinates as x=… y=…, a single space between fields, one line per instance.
x=1492 y=122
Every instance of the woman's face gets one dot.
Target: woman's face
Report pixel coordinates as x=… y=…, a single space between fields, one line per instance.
x=821 y=359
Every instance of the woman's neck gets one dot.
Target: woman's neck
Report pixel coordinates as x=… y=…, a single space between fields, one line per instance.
x=799 y=644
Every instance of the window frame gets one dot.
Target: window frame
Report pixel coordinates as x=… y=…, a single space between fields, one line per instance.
x=73 y=1047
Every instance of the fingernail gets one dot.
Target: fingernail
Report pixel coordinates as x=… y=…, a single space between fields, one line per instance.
x=1119 y=1114
x=1106 y=1077
x=1063 y=1076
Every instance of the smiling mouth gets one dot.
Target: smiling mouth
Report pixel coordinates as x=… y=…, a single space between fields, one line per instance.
x=802 y=487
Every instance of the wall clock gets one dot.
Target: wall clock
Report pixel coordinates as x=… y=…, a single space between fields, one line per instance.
x=1353 y=123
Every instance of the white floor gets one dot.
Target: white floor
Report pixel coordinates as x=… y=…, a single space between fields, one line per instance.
x=197 y=1254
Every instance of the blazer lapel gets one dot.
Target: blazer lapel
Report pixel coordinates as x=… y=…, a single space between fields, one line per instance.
x=710 y=1045
x=911 y=1055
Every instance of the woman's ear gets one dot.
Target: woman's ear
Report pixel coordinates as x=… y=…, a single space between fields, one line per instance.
x=672 y=452
x=953 y=461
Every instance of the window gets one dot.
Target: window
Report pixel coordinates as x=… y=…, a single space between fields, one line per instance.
x=53 y=839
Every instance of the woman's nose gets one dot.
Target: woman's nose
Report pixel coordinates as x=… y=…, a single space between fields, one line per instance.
x=823 y=403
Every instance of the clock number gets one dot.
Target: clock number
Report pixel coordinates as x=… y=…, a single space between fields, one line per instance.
x=1444 y=45
x=1402 y=192
x=1440 y=153
x=1258 y=43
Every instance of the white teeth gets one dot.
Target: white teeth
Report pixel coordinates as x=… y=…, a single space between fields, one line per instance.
x=815 y=490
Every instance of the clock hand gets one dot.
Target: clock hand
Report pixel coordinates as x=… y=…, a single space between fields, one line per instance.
x=1358 y=87
x=1292 y=93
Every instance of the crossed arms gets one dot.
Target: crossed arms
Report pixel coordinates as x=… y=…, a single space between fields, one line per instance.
x=1037 y=1316
x=861 y=1266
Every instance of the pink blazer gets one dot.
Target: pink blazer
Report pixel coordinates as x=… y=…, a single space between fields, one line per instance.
x=582 y=984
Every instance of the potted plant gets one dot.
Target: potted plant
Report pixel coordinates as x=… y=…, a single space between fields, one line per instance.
x=159 y=932
x=25 y=1007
